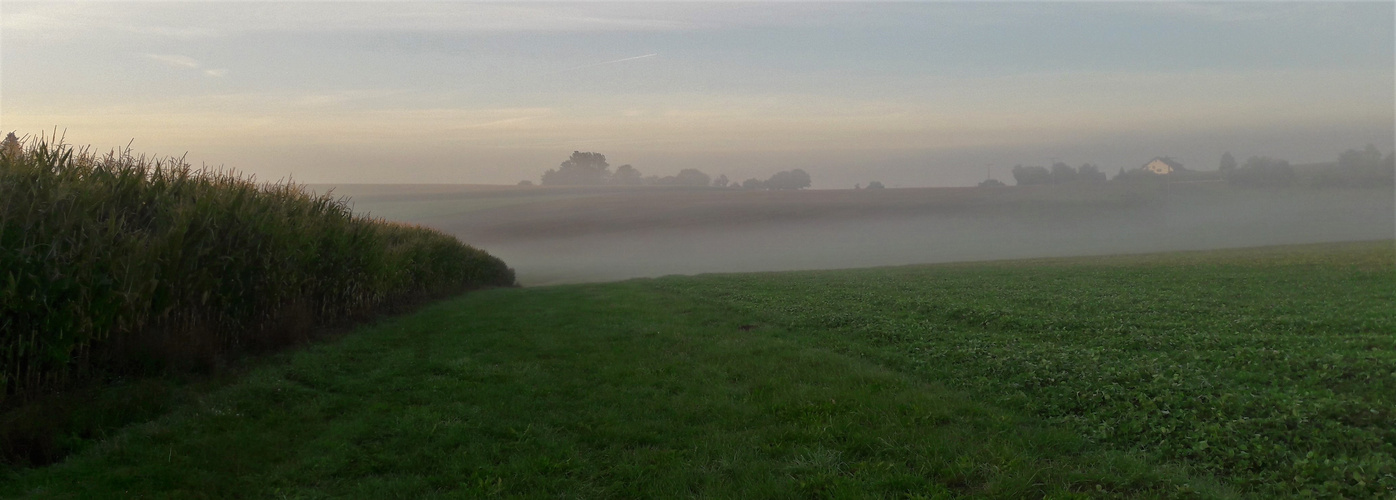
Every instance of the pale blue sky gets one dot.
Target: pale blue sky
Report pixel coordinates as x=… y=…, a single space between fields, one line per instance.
x=907 y=93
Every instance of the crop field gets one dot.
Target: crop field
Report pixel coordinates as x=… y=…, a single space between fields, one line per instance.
x=118 y=265
x=1275 y=368
x=1254 y=373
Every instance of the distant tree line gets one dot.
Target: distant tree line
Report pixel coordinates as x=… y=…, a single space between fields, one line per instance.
x=1355 y=168
x=591 y=169
x=1260 y=171
x=1060 y=173
x=784 y=180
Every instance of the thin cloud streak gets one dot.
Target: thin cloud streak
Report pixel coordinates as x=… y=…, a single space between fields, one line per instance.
x=1299 y=81
x=179 y=61
x=175 y=60
x=593 y=65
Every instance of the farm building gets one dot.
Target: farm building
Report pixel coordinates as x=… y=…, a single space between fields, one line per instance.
x=1163 y=165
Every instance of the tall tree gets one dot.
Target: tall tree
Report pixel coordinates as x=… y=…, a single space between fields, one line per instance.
x=788 y=180
x=692 y=177
x=1367 y=167
x=627 y=175
x=1228 y=162
x=1063 y=173
x=1259 y=171
x=11 y=145
x=1028 y=176
x=1090 y=173
x=587 y=169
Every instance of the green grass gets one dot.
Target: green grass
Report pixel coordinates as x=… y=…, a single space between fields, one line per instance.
x=1091 y=377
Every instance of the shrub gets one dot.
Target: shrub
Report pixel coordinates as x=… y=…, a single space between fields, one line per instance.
x=108 y=262
x=788 y=180
x=1138 y=175
x=1367 y=167
x=1029 y=176
x=580 y=169
x=1260 y=171
x=1090 y=173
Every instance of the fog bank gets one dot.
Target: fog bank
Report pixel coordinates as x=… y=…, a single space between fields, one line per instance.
x=1180 y=221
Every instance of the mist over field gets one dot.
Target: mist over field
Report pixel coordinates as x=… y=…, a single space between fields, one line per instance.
x=915 y=95
x=1166 y=230
x=575 y=236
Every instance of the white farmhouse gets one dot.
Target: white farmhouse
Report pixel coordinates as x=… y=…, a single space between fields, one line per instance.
x=1163 y=165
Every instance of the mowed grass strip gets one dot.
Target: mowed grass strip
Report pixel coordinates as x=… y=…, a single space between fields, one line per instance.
x=591 y=391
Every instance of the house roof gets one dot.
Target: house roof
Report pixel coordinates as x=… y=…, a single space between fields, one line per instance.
x=1167 y=161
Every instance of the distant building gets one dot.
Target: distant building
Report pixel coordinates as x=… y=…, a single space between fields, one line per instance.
x=1163 y=165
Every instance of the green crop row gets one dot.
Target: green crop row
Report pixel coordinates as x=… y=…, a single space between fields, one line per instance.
x=116 y=261
x=1274 y=369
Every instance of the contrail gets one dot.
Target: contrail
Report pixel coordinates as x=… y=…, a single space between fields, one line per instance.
x=605 y=63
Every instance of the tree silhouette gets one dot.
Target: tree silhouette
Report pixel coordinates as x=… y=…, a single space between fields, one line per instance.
x=788 y=180
x=692 y=177
x=585 y=169
x=1367 y=167
x=1262 y=171
x=11 y=145
x=1090 y=173
x=1228 y=162
x=1028 y=176
x=627 y=175
x=1062 y=173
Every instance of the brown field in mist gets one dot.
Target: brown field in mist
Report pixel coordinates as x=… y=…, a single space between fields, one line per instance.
x=568 y=234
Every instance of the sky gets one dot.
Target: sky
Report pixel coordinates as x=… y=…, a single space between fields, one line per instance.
x=909 y=94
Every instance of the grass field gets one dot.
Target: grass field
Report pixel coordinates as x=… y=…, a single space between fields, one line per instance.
x=1262 y=372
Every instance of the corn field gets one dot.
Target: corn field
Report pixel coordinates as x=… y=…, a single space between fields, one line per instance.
x=98 y=251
